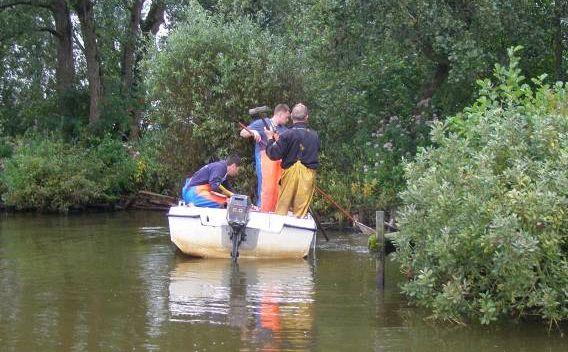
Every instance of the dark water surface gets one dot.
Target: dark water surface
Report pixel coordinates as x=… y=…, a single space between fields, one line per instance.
x=112 y=282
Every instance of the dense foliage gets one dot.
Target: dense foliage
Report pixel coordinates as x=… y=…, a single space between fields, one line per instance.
x=202 y=82
x=485 y=216
x=377 y=73
x=48 y=173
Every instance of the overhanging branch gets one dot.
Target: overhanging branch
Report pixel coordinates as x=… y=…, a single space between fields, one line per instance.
x=154 y=18
x=50 y=30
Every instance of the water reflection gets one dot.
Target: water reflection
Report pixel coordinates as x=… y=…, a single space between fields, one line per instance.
x=271 y=303
x=112 y=282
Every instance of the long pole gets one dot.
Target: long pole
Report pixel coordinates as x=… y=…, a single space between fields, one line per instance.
x=318 y=223
x=328 y=197
x=362 y=227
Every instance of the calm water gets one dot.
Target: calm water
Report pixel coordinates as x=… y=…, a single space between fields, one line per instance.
x=112 y=282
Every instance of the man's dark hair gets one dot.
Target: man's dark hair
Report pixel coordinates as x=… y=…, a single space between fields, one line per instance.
x=234 y=159
x=281 y=108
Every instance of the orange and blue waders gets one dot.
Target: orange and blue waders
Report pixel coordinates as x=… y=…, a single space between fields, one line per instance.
x=201 y=196
x=197 y=189
x=267 y=171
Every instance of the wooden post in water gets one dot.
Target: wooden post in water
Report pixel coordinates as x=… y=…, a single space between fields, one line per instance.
x=380 y=216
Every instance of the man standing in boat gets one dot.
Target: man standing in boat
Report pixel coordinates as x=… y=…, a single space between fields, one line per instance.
x=298 y=148
x=207 y=187
x=267 y=171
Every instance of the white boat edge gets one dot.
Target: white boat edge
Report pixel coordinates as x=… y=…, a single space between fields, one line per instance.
x=204 y=232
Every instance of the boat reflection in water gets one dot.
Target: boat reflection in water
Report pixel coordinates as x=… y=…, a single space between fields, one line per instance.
x=271 y=302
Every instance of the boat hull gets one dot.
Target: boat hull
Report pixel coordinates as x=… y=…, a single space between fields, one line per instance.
x=205 y=233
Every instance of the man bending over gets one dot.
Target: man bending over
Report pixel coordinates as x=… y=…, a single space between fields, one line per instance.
x=207 y=187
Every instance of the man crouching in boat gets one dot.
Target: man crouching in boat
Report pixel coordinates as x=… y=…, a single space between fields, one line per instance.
x=298 y=148
x=207 y=187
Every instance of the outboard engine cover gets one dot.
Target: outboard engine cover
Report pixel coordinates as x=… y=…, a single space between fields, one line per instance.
x=237 y=216
x=238 y=210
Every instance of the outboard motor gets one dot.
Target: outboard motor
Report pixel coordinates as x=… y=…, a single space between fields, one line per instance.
x=237 y=216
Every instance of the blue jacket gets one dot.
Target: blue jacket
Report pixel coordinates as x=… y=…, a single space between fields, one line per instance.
x=258 y=126
x=214 y=174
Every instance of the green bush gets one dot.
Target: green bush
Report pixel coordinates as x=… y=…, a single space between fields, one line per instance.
x=203 y=81
x=485 y=217
x=46 y=173
x=152 y=173
x=5 y=149
x=112 y=167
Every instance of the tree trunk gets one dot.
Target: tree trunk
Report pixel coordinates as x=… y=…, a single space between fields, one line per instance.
x=65 y=71
x=440 y=75
x=132 y=38
x=84 y=9
x=558 y=45
x=155 y=17
x=128 y=66
x=131 y=56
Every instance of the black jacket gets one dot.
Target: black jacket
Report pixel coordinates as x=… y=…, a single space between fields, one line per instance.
x=297 y=143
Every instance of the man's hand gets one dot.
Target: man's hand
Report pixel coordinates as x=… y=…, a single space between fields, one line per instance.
x=219 y=194
x=225 y=191
x=270 y=134
x=256 y=136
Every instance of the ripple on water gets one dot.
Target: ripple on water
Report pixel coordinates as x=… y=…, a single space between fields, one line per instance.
x=152 y=232
x=343 y=241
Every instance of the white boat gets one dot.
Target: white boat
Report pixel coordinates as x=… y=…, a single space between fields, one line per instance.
x=205 y=232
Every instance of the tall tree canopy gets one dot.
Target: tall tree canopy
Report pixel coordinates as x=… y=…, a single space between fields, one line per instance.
x=381 y=70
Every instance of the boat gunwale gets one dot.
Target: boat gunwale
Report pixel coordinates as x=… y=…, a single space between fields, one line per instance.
x=198 y=216
x=183 y=216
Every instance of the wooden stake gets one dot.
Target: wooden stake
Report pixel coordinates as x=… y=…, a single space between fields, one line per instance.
x=380 y=230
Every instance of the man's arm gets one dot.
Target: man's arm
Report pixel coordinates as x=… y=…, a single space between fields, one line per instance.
x=247 y=134
x=216 y=177
x=254 y=127
x=225 y=190
x=276 y=149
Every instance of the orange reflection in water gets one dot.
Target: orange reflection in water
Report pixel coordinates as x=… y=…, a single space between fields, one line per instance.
x=271 y=302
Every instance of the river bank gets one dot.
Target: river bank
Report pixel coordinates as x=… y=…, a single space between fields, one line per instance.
x=147 y=201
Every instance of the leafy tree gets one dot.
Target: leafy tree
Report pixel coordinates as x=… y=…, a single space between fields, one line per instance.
x=205 y=78
x=23 y=18
x=385 y=70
